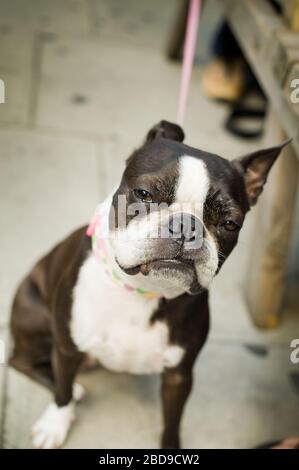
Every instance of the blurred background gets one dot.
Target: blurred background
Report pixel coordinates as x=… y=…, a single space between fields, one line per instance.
x=84 y=81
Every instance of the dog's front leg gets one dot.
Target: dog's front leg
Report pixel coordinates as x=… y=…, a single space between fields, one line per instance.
x=52 y=428
x=176 y=387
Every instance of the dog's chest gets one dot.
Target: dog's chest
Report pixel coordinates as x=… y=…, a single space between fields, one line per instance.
x=113 y=325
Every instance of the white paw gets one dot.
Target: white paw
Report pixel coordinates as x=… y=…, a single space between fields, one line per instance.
x=79 y=392
x=50 y=431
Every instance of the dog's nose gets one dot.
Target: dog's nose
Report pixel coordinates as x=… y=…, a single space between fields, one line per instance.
x=185 y=227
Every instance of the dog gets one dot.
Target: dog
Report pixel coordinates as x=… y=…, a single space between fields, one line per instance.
x=131 y=290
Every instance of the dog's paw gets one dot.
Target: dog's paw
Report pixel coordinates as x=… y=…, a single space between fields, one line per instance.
x=50 y=431
x=79 y=392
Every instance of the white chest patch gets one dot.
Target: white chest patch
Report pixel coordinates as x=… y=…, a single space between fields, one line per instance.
x=113 y=325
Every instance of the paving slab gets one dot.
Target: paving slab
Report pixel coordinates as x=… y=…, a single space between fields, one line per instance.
x=147 y=23
x=25 y=401
x=241 y=399
x=49 y=187
x=150 y=23
x=123 y=411
x=89 y=86
x=97 y=90
x=55 y=16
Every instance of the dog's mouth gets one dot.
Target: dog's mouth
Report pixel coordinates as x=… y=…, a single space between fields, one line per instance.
x=178 y=265
x=171 y=267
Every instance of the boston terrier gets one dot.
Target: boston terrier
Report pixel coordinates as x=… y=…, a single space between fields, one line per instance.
x=131 y=290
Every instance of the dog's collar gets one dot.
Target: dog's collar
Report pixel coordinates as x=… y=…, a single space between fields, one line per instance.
x=99 y=248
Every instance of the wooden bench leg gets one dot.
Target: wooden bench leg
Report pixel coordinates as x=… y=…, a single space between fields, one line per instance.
x=265 y=284
x=176 y=42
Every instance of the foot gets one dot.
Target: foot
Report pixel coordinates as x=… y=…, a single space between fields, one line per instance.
x=290 y=443
x=50 y=431
x=224 y=81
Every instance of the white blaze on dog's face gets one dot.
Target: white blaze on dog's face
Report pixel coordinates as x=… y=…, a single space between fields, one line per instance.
x=177 y=213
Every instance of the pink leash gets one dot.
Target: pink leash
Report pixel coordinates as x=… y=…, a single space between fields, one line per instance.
x=188 y=56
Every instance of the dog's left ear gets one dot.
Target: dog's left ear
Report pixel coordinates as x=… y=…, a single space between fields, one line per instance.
x=165 y=130
x=255 y=168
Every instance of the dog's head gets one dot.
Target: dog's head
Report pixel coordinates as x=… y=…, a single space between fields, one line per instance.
x=178 y=211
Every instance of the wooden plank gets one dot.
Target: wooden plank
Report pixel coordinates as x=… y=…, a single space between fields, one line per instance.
x=291 y=12
x=267 y=270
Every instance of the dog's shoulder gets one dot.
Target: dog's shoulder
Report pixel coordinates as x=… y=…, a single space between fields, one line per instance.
x=63 y=261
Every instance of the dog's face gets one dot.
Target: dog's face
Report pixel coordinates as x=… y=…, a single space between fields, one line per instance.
x=178 y=211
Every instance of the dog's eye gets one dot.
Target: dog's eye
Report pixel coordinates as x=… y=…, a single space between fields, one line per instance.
x=230 y=225
x=143 y=195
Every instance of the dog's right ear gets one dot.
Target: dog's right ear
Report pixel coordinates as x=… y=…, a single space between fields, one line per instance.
x=165 y=130
x=255 y=168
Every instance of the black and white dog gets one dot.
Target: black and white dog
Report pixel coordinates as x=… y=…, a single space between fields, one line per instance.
x=133 y=293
